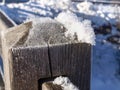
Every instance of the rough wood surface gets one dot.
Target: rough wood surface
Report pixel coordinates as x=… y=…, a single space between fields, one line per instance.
x=32 y=64
x=29 y=65
x=72 y=60
x=7 y=37
x=17 y=35
x=5 y=23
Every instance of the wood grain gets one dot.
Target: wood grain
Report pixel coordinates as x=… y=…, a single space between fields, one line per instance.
x=29 y=65
x=72 y=60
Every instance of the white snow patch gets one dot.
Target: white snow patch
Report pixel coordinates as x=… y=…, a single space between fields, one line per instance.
x=86 y=7
x=65 y=83
x=77 y=27
x=63 y=4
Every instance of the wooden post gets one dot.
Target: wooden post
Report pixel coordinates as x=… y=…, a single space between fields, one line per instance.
x=24 y=67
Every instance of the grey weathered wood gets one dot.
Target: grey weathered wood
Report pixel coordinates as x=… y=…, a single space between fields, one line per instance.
x=9 y=39
x=24 y=65
x=5 y=23
x=51 y=86
x=16 y=35
x=72 y=60
x=29 y=65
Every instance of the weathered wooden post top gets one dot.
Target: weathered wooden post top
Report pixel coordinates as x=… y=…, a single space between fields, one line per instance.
x=34 y=53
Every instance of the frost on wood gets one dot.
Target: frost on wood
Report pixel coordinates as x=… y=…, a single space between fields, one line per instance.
x=77 y=28
x=46 y=31
x=65 y=83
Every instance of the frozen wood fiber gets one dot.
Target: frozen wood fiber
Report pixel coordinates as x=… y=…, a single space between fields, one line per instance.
x=24 y=66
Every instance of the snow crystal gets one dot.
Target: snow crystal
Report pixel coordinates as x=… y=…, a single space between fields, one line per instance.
x=65 y=83
x=82 y=29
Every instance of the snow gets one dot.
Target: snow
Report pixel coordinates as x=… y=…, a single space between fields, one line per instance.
x=82 y=29
x=105 y=66
x=63 y=4
x=86 y=7
x=46 y=30
x=99 y=14
x=65 y=83
x=22 y=11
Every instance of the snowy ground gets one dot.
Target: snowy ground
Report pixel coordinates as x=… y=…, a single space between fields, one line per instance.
x=106 y=56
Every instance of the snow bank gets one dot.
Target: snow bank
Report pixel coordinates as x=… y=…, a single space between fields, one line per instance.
x=77 y=28
x=65 y=83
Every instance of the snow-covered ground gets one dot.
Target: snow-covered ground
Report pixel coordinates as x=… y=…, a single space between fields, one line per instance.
x=105 y=74
x=106 y=56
